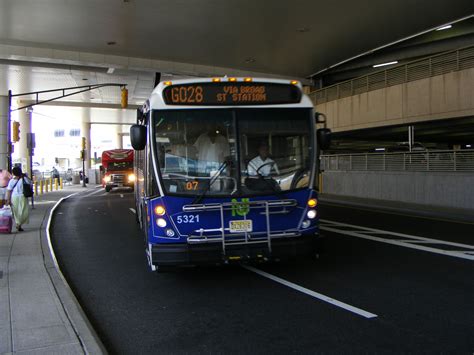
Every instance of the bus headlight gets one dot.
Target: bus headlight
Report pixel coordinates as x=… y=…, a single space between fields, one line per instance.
x=160 y=210
x=160 y=222
x=169 y=233
x=131 y=177
x=312 y=214
x=106 y=179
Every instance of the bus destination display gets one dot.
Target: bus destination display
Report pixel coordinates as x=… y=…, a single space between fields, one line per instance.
x=231 y=94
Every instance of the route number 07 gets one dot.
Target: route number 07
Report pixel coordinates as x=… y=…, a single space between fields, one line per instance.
x=187 y=218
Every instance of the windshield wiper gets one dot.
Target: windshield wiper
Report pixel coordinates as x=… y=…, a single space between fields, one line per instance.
x=212 y=181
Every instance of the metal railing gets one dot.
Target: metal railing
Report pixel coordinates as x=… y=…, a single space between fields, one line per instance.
x=456 y=60
x=434 y=160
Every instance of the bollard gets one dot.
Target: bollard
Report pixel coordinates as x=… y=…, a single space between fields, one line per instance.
x=51 y=184
x=56 y=184
x=61 y=183
x=41 y=186
x=46 y=186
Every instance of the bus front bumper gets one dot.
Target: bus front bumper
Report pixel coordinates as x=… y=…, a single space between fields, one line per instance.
x=212 y=253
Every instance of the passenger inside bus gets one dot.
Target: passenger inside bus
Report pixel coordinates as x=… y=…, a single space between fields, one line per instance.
x=212 y=148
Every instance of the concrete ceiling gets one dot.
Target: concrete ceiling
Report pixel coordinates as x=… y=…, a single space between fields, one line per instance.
x=46 y=44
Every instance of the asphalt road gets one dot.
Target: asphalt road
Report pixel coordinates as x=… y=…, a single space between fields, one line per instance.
x=420 y=301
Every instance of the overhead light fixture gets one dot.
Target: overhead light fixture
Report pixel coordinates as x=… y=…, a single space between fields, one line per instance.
x=447 y=27
x=384 y=64
x=110 y=70
x=380 y=149
x=468 y=146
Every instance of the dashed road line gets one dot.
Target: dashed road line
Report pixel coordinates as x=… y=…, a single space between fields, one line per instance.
x=312 y=293
x=407 y=241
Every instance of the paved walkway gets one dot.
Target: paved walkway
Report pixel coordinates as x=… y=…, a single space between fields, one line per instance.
x=38 y=312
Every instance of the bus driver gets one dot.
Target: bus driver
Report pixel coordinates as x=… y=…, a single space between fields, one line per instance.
x=262 y=164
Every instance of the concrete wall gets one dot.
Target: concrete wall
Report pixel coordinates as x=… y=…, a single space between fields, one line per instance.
x=442 y=96
x=434 y=189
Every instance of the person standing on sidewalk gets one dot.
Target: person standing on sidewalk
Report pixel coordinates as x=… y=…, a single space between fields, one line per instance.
x=5 y=177
x=16 y=199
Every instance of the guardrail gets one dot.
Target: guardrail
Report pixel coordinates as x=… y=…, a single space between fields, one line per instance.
x=434 y=160
x=456 y=60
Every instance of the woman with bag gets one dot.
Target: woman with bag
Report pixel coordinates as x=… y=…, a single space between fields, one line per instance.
x=16 y=198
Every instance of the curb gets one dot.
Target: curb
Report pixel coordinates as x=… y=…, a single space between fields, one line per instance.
x=86 y=334
x=407 y=210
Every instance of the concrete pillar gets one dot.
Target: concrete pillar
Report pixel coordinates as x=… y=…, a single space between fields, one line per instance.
x=3 y=132
x=21 y=147
x=86 y=132
x=118 y=137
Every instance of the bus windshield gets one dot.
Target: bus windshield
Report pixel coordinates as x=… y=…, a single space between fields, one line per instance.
x=222 y=152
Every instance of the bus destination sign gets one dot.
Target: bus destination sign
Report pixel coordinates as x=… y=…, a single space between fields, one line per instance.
x=231 y=94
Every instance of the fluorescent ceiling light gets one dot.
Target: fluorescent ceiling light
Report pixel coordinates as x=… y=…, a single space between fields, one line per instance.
x=447 y=27
x=110 y=70
x=468 y=146
x=380 y=149
x=384 y=64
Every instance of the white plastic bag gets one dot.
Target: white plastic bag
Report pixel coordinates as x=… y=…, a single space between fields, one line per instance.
x=6 y=211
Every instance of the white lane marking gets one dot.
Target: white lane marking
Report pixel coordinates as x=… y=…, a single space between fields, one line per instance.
x=121 y=195
x=311 y=293
x=361 y=232
x=93 y=192
x=133 y=210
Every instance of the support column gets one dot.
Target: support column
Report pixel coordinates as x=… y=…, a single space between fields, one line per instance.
x=3 y=132
x=21 y=147
x=118 y=137
x=86 y=132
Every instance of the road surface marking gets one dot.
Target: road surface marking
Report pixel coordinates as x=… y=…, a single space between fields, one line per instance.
x=410 y=241
x=311 y=293
x=121 y=195
x=133 y=210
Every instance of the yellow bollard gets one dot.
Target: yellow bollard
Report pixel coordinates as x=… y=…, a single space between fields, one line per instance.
x=41 y=186
x=46 y=186
x=56 y=184
x=61 y=183
x=51 y=184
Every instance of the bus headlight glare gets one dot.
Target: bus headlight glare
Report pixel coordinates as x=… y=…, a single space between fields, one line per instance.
x=160 y=210
x=131 y=177
x=306 y=223
x=311 y=214
x=160 y=222
x=107 y=179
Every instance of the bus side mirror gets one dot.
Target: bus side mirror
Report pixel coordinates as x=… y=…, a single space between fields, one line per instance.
x=138 y=136
x=324 y=135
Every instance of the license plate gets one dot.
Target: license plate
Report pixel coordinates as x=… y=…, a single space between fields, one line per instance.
x=240 y=226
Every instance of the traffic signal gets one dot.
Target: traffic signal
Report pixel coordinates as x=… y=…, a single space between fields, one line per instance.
x=15 y=131
x=124 y=98
x=84 y=142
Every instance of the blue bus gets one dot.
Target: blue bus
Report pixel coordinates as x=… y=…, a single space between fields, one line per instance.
x=227 y=171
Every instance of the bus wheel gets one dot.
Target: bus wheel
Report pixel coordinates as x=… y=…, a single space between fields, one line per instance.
x=108 y=188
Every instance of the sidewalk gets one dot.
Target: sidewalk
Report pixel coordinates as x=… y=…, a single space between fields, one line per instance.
x=436 y=212
x=38 y=312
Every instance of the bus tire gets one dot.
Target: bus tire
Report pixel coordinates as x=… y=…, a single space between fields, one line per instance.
x=108 y=188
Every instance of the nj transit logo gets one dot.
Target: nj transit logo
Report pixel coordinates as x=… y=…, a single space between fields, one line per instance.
x=240 y=208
